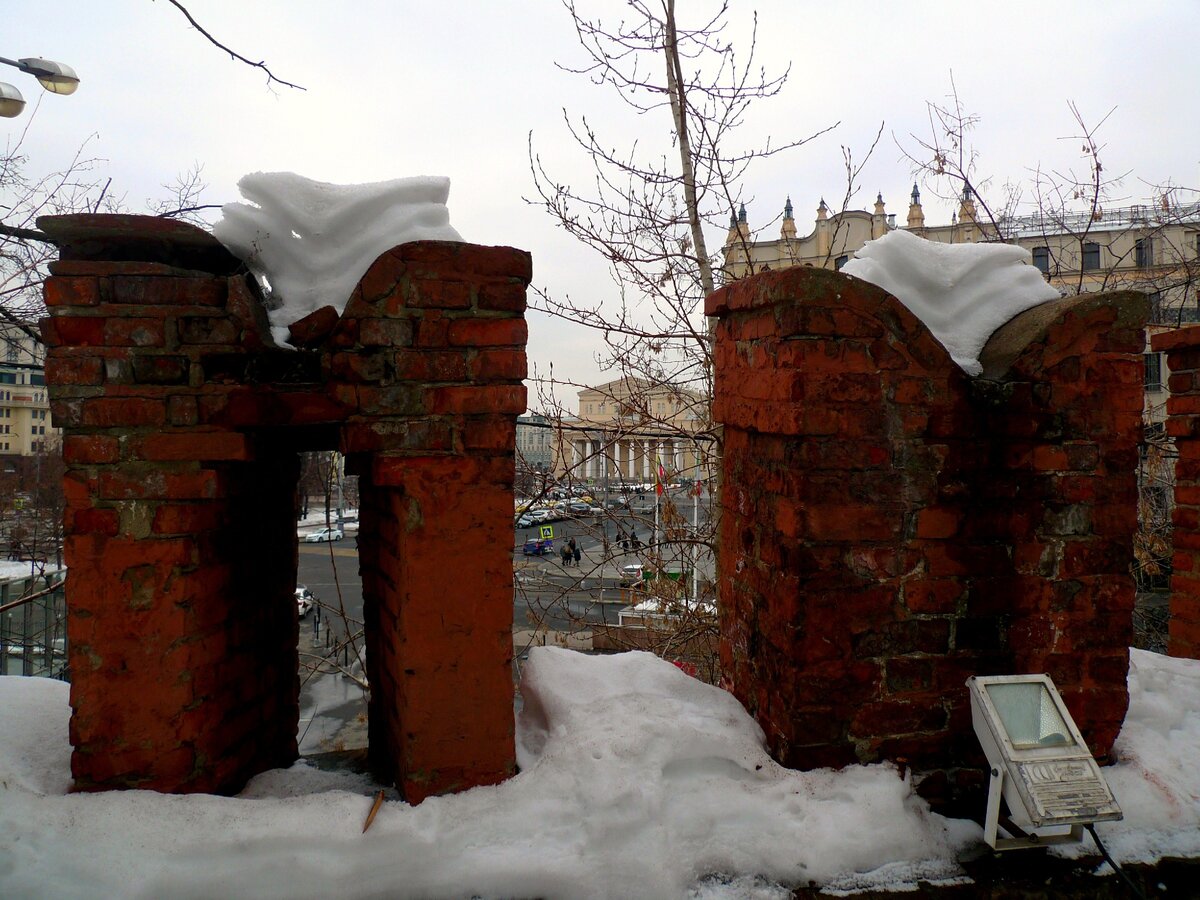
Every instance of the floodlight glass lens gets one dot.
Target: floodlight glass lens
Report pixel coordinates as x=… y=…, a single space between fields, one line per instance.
x=1029 y=715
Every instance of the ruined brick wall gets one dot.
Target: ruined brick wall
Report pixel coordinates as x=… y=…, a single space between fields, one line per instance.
x=890 y=526
x=1182 y=348
x=182 y=428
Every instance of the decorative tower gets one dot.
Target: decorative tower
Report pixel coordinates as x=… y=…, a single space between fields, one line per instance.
x=967 y=231
x=737 y=245
x=879 y=218
x=916 y=215
x=824 y=230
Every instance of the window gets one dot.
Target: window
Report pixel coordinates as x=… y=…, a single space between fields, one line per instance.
x=1157 y=313
x=1153 y=380
x=1143 y=253
x=8 y=378
x=1041 y=259
x=37 y=378
x=1091 y=256
x=10 y=353
x=840 y=261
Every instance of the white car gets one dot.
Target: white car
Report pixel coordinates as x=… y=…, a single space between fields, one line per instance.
x=304 y=601
x=324 y=534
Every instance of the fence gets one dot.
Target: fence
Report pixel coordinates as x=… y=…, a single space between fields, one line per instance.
x=33 y=625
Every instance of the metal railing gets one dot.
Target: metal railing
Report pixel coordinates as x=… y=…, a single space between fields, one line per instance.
x=33 y=625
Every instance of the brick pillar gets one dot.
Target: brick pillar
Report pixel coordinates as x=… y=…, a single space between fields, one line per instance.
x=182 y=644
x=182 y=424
x=890 y=527
x=1183 y=424
x=434 y=354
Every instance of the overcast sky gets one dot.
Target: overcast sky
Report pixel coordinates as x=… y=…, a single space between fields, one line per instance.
x=398 y=88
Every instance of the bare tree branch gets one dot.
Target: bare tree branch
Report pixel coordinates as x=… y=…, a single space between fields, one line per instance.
x=234 y=55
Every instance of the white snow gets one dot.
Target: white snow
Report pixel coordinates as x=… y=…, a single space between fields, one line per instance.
x=313 y=241
x=636 y=781
x=962 y=292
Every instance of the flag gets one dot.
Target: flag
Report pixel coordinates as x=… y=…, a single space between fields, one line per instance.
x=659 y=476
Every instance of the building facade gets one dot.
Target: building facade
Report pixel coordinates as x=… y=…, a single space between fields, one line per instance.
x=627 y=428
x=25 y=427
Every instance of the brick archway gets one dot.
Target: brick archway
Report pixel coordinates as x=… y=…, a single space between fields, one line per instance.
x=182 y=426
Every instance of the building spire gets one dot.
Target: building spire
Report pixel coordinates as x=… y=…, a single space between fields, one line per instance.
x=787 y=231
x=916 y=195
x=742 y=214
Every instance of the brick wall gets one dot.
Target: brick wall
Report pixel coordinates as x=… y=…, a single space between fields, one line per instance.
x=182 y=428
x=1183 y=424
x=890 y=526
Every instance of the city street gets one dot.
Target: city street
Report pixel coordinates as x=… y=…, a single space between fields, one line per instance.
x=546 y=598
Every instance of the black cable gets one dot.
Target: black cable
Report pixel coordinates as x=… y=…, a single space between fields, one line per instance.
x=1112 y=862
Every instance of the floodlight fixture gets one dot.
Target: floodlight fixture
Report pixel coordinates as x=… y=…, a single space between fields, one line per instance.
x=1039 y=762
x=56 y=77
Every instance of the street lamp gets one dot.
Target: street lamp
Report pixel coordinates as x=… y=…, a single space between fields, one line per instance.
x=56 y=77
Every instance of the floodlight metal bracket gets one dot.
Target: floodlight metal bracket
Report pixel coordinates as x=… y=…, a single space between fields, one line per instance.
x=1027 y=838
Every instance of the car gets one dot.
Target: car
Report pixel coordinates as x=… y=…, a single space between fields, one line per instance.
x=631 y=574
x=324 y=534
x=304 y=600
x=578 y=508
x=526 y=521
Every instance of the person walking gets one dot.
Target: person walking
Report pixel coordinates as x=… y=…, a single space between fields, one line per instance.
x=565 y=553
x=574 y=552
x=577 y=552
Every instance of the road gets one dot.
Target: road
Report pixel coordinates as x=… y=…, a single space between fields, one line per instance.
x=545 y=595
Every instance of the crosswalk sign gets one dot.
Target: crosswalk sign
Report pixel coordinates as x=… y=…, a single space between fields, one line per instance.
x=546 y=531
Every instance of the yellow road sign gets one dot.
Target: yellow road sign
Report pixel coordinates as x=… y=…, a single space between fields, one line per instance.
x=547 y=531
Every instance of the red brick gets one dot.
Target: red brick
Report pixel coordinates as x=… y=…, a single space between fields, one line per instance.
x=487 y=333
x=123 y=411
x=85 y=449
x=204 y=445
x=134 y=332
x=63 y=291
x=475 y=400
x=74 y=370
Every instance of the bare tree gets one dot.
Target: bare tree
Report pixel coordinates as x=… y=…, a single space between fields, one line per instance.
x=645 y=210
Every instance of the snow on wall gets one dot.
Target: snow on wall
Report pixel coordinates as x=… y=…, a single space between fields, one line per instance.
x=962 y=292
x=312 y=241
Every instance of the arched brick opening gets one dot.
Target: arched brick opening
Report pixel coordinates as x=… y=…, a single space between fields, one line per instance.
x=181 y=433
x=890 y=526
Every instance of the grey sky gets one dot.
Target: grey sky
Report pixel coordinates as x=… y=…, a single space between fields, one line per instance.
x=401 y=88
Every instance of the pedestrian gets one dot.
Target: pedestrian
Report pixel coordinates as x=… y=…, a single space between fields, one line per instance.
x=578 y=554
x=633 y=539
x=623 y=538
x=574 y=550
x=565 y=552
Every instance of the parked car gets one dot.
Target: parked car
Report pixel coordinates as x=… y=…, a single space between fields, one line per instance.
x=526 y=520
x=324 y=534
x=304 y=600
x=538 y=547
x=631 y=574
x=578 y=508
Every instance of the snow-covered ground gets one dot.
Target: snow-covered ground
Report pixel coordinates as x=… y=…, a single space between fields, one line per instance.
x=636 y=781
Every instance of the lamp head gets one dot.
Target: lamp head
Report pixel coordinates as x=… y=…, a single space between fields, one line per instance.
x=56 y=77
x=11 y=101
